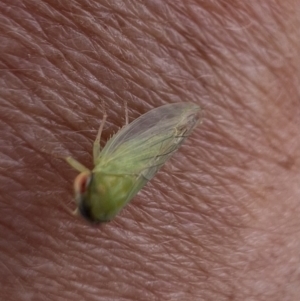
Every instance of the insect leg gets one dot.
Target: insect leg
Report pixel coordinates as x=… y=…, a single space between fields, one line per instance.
x=71 y=161
x=126 y=112
x=71 y=212
x=96 y=145
x=76 y=165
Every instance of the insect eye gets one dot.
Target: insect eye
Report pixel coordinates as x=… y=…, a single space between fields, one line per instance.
x=83 y=186
x=82 y=182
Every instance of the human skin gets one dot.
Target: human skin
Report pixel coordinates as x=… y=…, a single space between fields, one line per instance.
x=221 y=219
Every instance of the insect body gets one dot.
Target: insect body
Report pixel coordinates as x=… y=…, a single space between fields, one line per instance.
x=130 y=159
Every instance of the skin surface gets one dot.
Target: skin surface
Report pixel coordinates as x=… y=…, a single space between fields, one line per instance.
x=221 y=220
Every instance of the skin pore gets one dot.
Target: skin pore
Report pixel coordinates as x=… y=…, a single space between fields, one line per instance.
x=221 y=219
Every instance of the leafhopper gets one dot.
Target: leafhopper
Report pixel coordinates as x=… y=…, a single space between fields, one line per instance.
x=130 y=159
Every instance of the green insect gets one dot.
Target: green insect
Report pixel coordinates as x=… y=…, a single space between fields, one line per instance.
x=130 y=159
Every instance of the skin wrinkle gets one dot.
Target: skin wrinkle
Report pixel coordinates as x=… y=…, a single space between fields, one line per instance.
x=214 y=265
x=119 y=68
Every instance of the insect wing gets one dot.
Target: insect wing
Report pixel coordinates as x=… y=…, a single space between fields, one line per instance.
x=144 y=145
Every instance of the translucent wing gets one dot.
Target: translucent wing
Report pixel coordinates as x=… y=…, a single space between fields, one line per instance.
x=144 y=145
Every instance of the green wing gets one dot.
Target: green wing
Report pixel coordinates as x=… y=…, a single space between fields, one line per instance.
x=149 y=141
x=141 y=148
